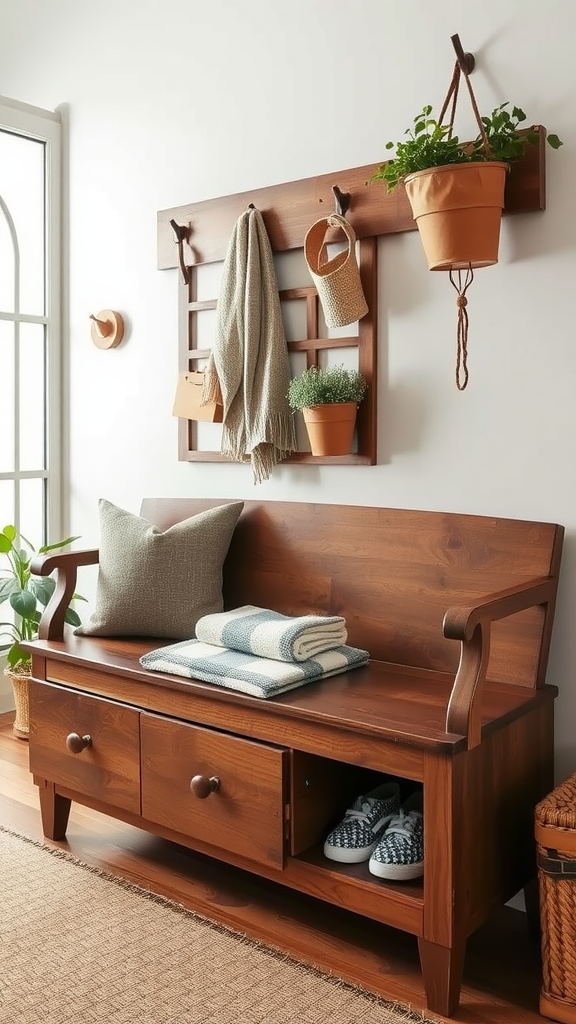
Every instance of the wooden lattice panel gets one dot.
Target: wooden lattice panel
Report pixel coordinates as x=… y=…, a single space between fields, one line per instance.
x=289 y=210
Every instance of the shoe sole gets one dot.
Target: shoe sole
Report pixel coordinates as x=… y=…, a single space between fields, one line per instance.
x=344 y=856
x=396 y=872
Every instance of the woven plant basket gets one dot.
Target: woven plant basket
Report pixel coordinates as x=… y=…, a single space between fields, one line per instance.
x=19 y=680
x=555 y=832
x=337 y=280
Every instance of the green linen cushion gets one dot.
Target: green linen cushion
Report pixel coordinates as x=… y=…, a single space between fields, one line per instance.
x=159 y=583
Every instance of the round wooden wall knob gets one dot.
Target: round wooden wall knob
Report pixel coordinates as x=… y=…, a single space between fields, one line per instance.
x=107 y=328
x=76 y=743
x=202 y=787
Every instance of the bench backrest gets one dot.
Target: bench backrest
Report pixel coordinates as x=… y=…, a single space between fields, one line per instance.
x=392 y=573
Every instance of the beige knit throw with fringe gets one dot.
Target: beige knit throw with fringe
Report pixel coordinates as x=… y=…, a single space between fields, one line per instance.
x=249 y=370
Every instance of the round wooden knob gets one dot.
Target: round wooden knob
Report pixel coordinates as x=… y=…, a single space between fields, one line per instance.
x=202 y=787
x=76 y=743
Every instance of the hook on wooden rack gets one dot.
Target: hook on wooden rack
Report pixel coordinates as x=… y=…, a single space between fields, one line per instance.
x=342 y=200
x=467 y=61
x=181 y=232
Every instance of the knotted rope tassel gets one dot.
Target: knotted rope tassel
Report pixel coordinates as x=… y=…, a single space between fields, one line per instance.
x=462 y=328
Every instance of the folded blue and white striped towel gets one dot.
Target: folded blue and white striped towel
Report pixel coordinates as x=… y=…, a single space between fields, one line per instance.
x=270 y=634
x=258 y=677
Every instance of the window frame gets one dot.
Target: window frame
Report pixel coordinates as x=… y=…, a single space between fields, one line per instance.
x=45 y=126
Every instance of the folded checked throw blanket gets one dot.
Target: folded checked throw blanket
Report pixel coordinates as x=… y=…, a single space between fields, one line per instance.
x=248 y=371
x=270 y=634
x=258 y=677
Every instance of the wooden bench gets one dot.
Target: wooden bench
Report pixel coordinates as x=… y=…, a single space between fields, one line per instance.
x=456 y=612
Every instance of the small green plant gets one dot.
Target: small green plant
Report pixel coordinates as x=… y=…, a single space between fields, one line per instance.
x=27 y=594
x=317 y=386
x=430 y=144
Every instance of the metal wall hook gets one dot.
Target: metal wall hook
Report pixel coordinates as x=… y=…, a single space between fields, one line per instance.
x=181 y=232
x=467 y=61
x=342 y=199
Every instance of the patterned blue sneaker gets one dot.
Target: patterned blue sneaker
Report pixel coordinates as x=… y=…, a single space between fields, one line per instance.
x=400 y=853
x=354 y=839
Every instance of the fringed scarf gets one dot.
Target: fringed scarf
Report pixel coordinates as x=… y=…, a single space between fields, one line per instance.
x=249 y=370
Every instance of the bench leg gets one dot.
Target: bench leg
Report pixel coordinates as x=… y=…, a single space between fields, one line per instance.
x=55 y=811
x=442 y=971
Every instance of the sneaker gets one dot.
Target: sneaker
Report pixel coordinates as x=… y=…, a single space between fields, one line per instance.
x=354 y=839
x=400 y=853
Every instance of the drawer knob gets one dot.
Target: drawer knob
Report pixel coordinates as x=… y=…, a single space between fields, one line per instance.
x=202 y=787
x=75 y=743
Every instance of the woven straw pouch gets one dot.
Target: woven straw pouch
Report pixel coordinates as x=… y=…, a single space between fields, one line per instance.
x=337 y=280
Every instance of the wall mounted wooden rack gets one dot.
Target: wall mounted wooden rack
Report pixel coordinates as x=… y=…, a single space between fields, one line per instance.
x=289 y=209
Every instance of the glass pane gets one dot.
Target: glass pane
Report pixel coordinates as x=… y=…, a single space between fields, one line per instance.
x=33 y=511
x=22 y=189
x=6 y=503
x=7 y=402
x=32 y=396
x=7 y=261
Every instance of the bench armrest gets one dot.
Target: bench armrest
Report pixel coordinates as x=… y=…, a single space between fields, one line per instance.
x=470 y=624
x=66 y=564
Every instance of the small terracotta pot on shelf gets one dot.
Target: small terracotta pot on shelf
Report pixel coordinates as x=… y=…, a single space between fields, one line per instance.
x=331 y=427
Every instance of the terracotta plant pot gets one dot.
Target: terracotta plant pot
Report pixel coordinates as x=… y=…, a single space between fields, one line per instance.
x=458 y=209
x=331 y=427
x=19 y=680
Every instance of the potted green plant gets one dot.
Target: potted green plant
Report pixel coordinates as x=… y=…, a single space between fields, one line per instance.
x=328 y=398
x=456 y=189
x=27 y=595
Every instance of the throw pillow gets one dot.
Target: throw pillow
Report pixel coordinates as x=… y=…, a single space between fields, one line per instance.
x=159 y=583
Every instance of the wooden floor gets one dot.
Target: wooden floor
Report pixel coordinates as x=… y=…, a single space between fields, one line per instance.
x=502 y=972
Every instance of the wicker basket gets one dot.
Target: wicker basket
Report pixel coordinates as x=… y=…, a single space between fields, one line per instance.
x=555 y=831
x=19 y=680
x=337 y=280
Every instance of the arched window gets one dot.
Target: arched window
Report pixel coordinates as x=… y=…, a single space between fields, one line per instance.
x=30 y=322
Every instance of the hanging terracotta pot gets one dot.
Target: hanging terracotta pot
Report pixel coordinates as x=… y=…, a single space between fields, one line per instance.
x=331 y=427
x=458 y=209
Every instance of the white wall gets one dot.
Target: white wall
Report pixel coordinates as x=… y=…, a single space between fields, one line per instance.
x=178 y=101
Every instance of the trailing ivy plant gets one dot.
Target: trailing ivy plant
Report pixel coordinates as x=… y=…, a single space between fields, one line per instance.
x=325 y=386
x=27 y=594
x=429 y=144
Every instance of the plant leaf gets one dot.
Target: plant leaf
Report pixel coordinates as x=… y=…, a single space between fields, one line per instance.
x=43 y=588
x=7 y=587
x=16 y=656
x=554 y=141
x=72 y=618
x=23 y=603
x=57 y=544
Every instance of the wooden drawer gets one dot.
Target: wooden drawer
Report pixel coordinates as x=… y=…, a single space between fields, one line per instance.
x=109 y=768
x=244 y=815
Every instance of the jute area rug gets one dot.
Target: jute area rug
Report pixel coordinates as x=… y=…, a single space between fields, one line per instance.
x=77 y=945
